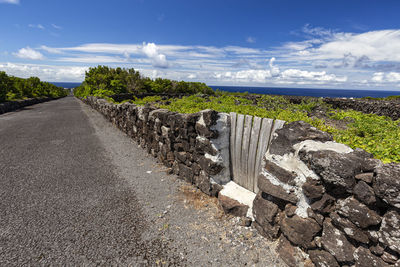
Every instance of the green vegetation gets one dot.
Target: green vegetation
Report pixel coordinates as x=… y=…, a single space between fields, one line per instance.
x=104 y=81
x=13 y=88
x=391 y=97
x=378 y=135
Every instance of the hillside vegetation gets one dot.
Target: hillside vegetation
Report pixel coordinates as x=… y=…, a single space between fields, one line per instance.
x=104 y=81
x=14 y=88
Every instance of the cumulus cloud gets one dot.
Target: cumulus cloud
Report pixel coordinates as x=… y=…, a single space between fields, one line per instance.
x=381 y=77
x=378 y=77
x=244 y=76
x=29 y=53
x=9 y=2
x=273 y=75
x=380 y=45
x=393 y=77
x=310 y=76
x=158 y=60
x=273 y=69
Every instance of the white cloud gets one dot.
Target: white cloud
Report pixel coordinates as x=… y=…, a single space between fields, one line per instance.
x=45 y=72
x=381 y=77
x=378 y=77
x=251 y=40
x=273 y=69
x=323 y=58
x=10 y=1
x=152 y=51
x=98 y=48
x=38 y=26
x=94 y=59
x=29 y=53
x=274 y=75
x=310 y=76
x=393 y=77
x=56 y=26
x=51 y=50
x=242 y=50
x=317 y=31
x=244 y=76
x=380 y=45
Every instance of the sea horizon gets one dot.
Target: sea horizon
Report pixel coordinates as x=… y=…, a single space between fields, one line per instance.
x=313 y=92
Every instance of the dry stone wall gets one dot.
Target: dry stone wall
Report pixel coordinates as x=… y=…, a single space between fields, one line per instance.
x=194 y=146
x=328 y=205
x=14 y=105
x=390 y=109
x=328 y=202
x=129 y=96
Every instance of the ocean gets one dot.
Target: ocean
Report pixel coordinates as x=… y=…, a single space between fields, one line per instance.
x=287 y=91
x=66 y=84
x=308 y=91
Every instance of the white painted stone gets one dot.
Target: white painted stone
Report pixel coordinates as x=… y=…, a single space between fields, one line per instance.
x=241 y=195
x=292 y=163
x=311 y=145
x=201 y=120
x=220 y=144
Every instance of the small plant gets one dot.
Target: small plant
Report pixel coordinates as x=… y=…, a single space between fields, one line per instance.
x=378 y=135
x=146 y=100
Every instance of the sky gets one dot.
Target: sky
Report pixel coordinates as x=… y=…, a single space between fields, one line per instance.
x=273 y=43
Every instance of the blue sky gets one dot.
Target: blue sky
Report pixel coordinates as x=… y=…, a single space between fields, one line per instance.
x=280 y=43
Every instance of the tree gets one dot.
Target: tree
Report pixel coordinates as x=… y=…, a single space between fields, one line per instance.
x=105 y=81
x=5 y=84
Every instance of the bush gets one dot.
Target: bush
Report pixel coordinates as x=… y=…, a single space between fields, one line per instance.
x=13 y=88
x=4 y=86
x=105 y=81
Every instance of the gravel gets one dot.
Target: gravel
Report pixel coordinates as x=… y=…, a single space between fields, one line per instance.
x=185 y=218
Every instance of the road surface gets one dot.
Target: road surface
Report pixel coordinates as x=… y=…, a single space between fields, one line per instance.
x=76 y=191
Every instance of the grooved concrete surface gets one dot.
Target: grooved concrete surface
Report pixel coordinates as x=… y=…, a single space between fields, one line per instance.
x=76 y=191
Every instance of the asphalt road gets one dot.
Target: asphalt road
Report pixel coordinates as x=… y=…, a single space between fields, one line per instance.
x=76 y=191
x=60 y=201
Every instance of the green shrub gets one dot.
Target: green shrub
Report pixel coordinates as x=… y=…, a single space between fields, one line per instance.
x=13 y=88
x=378 y=135
x=4 y=86
x=105 y=81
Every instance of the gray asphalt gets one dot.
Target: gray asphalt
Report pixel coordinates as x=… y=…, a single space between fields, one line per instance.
x=76 y=191
x=61 y=202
